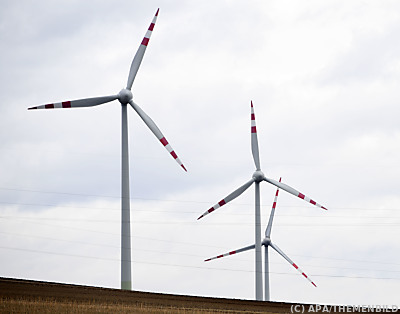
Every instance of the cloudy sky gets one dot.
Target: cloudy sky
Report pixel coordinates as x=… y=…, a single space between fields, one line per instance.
x=323 y=77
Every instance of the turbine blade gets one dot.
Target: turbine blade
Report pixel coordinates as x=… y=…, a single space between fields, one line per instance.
x=156 y=131
x=250 y=247
x=290 y=190
x=254 y=140
x=137 y=60
x=86 y=102
x=229 y=198
x=276 y=248
x=271 y=217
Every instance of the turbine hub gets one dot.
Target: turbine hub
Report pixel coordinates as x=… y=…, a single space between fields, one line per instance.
x=266 y=241
x=258 y=176
x=124 y=96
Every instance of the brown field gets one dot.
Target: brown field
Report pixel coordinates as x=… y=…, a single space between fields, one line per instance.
x=26 y=296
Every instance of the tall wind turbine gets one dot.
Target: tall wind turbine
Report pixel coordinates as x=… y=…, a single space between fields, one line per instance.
x=257 y=178
x=125 y=98
x=266 y=242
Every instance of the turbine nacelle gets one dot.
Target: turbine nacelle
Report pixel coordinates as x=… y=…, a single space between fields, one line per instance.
x=258 y=176
x=266 y=241
x=125 y=96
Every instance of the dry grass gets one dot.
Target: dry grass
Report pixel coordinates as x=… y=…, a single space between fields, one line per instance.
x=53 y=306
x=25 y=296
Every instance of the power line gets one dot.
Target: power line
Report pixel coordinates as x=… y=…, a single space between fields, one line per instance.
x=196 y=212
x=211 y=224
x=197 y=244
x=178 y=201
x=188 y=266
x=192 y=255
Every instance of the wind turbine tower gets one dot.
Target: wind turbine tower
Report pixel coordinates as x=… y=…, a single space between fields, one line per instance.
x=266 y=242
x=125 y=97
x=257 y=177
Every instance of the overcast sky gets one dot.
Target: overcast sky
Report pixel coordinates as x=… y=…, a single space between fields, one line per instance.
x=323 y=77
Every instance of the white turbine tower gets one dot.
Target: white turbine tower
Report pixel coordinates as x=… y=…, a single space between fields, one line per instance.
x=125 y=98
x=257 y=178
x=266 y=242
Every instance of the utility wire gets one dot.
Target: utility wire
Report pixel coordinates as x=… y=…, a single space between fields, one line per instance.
x=186 y=254
x=183 y=243
x=197 y=212
x=211 y=224
x=183 y=201
x=188 y=266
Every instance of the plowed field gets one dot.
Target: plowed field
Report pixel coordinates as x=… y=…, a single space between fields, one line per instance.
x=25 y=296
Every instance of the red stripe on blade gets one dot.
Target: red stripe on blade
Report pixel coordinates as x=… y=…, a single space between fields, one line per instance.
x=313 y=202
x=253 y=117
x=49 y=106
x=221 y=203
x=274 y=205
x=253 y=129
x=314 y=284
x=151 y=27
x=66 y=104
x=301 y=196
x=304 y=275
x=233 y=252
x=211 y=209
x=145 y=41
x=164 y=141
x=174 y=155
x=183 y=167
x=295 y=266
x=219 y=256
x=157 y=12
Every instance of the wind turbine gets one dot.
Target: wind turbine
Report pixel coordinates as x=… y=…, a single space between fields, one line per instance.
x=257 y=178
x=124 y=97
x=266 y=242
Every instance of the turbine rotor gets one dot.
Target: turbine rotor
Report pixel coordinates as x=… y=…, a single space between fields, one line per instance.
x=258 y=176
x=266 y=241
x=125 y=96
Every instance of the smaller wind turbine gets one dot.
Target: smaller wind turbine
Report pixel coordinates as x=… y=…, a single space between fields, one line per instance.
x=266 y=242
x=257 y=178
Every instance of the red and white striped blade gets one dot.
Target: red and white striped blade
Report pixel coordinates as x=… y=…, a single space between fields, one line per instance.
x=156 y=131
x=290 y=190
x=229 y=198
x=276 y=248
x=271 y=217
x=137 y=60
x=250 y=247
x=254 y=140
x=86 y=102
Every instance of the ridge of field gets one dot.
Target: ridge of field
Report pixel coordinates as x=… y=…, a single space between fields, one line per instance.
x=23 y=296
